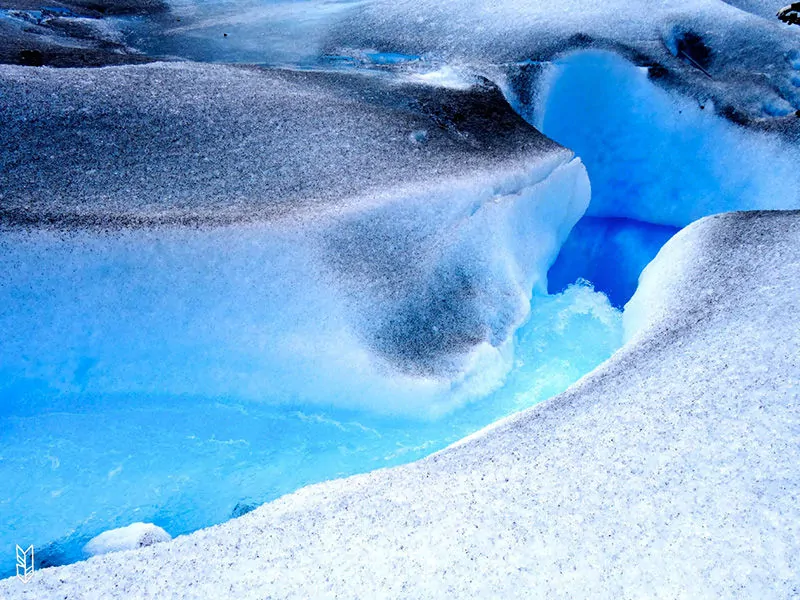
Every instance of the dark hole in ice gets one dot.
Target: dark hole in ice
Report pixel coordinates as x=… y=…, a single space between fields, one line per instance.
x=31 y=58
x=690 y=47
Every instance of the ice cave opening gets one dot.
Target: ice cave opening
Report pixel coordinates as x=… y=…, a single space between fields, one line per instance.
x=658 y=159
x=87 y=445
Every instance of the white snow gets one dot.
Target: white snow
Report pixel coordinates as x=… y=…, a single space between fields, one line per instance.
x=135 y=535
x=670 y=471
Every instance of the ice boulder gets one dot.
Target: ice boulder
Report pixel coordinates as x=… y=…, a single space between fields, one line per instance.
x=135 y=535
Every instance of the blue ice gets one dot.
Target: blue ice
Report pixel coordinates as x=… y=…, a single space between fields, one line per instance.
x=655 y=155
x=609 y=252
x=81 y=463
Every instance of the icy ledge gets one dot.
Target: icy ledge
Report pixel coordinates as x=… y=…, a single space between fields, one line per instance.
x=669 y=471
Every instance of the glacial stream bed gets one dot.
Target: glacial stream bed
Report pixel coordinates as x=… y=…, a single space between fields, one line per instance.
x=80 y=468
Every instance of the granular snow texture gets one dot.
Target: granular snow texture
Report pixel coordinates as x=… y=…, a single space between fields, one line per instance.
x=670 y=471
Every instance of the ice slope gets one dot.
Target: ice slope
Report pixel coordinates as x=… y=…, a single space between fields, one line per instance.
x=64 y=34
x=196 y=143
x=693 y=104
x=271 y=32
x=413 y=221
x=671 y=470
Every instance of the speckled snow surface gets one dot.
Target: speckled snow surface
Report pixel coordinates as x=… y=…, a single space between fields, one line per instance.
x=707 y=49
x=192 y=143
x=671 y=471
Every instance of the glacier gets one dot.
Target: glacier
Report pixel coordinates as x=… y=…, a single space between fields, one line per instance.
x=370 y=290
x=269 y=244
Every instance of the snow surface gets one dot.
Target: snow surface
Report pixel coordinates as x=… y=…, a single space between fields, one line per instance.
x=191 y=143
x=135 y=535
x=670 y=471
x=704 y=47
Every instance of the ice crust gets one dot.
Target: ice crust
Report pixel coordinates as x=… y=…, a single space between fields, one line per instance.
x=672 y=468
x=189 y=143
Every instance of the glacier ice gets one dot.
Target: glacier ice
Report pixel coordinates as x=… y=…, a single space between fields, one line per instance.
x=191 y=143
x=286 y=275
x=609 y=252
x=654 y=155
x=430 y=287
x=671 y=468
x=733 y=45
x=135 y=535
x=418 y=256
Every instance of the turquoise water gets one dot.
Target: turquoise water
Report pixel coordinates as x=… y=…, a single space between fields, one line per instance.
x=73 y=466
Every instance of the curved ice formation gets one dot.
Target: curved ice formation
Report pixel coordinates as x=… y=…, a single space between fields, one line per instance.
x=104 y=459
x=411 y=262
x=355 y=253
x=433 y=285
x=656 y=472
x=657 y=160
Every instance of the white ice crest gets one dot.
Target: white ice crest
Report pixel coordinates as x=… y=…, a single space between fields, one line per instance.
x=25 y=564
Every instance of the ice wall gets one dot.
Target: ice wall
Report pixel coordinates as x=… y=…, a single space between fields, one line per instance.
x=431 y=286
x=654 y=155
x=608 y=252
x=190 y=143
x=384 y=236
